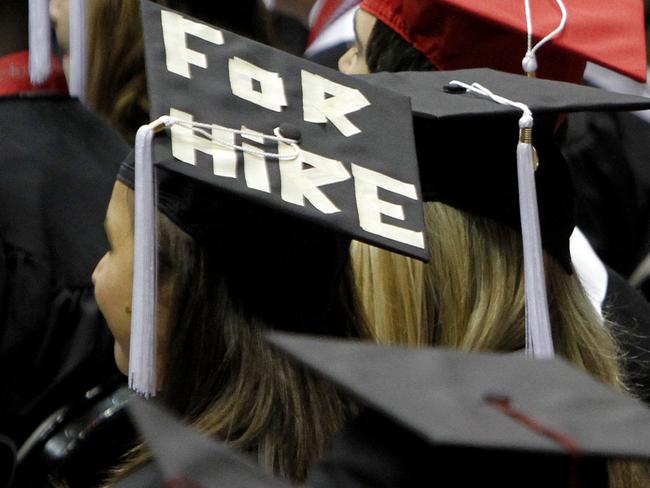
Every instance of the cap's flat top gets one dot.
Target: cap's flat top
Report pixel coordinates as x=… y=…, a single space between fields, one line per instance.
x=184 y=454
x=355 y=144
x=429 y=99
x=441 y=394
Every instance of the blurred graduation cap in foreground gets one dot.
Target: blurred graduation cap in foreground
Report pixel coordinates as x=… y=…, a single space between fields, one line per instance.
x=493 y=154
x=484 y=400
x=429 y=411
x=455 y=34
x=273 y=131
x=469 y=408
x=187 y=459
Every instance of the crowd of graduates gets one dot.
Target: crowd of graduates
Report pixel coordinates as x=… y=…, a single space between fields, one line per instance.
x=331 y=243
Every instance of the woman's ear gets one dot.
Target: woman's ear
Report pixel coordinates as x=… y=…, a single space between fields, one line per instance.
x=346 y=62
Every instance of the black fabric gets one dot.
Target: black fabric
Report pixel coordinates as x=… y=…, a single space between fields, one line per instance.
x=429 y=98
x=374 y=452
x=289 y=33
x=478 y=400
x=330 y=57
x=475 y=170
x=610 y=163
x=630 y=313
x=57 y=165
x=7 y=461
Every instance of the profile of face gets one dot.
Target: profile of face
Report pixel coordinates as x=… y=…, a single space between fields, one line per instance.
x=113 y=275
x=353 y=62
x=113 y=280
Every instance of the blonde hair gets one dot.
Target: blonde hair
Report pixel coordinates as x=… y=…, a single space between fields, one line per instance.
x=470 y=297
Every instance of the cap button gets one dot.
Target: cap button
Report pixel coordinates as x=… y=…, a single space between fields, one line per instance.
x=290 y=132
x=454 y=89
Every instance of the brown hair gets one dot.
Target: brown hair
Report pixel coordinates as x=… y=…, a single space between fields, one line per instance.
x=268 y=272
x=116 y=82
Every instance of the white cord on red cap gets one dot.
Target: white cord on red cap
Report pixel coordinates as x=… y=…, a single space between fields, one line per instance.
x=539 y=339
x=529 y=63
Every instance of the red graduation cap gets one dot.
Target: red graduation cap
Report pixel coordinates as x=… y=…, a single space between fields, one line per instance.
x=457 y=34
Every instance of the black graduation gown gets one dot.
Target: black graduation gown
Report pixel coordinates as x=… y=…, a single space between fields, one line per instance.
x=58 y=163
x=372 y=451
x=610 y=168
x=630 y=312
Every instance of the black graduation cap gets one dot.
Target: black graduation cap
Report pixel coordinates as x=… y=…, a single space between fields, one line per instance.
x=482 y=400
x=188 y=459
x=502 y=415
x=474 y=130
x=273 y=130
x=465 y=143
x=352 y=167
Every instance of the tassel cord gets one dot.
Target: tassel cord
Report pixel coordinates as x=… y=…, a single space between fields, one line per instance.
x=539 y=340
x=40 y=42
x=78 y=49
x=142 y=354
x=529 y=62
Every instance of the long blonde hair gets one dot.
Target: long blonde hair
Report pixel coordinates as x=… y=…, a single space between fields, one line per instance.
x=470 y=296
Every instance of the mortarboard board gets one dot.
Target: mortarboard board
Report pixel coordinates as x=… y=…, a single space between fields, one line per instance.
x=372 y=450
x=270 y=129
x=457 y=34
x=476 y=406
x=483 y=400
x=469 y=156
x=188 y=459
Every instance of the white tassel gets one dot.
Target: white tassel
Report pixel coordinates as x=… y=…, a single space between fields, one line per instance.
x=40 y=42
x=539 y=340
x=142 y=354
x=78 y=49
